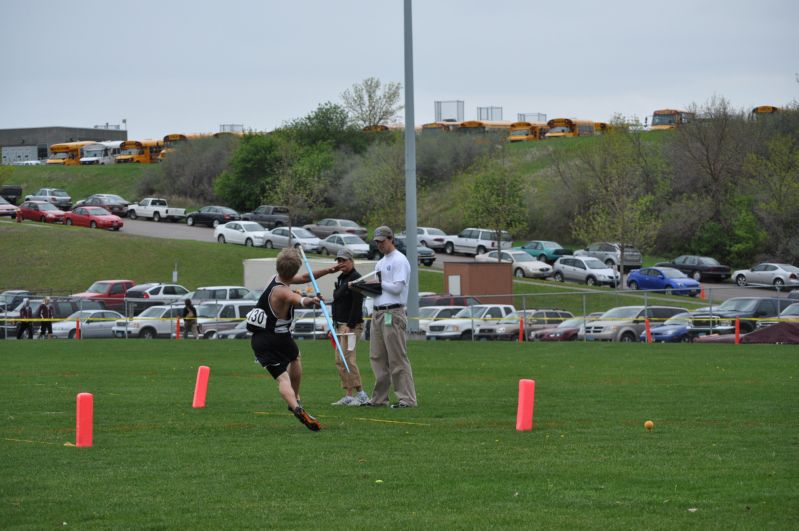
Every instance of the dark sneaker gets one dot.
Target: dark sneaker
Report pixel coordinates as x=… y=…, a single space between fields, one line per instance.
x=289 y=407
x=307 y=419
x=369 y=403
x=400 y=405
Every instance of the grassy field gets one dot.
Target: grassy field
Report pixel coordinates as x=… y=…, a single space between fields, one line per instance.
x=723 y=452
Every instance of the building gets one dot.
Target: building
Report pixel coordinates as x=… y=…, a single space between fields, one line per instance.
x=33 y=143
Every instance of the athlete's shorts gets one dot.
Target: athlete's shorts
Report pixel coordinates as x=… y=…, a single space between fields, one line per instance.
x=274 y=351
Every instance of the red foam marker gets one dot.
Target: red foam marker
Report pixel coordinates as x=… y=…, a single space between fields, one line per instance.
x=521 y=329
x=177 y=328
x=201 y=387
x=84 y=420
x=648 y=331
x=737 y=331
x=524 y=412
x=77 y=328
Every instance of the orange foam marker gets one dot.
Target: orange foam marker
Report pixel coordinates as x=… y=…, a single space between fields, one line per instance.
x=177 y=328
x=737 y=331
x=201 y=387
x=524 y=412
x=84 y=420
x=648 y=331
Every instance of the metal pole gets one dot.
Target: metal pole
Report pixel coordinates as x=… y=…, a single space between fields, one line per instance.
x=410 y=175
x=584 y=314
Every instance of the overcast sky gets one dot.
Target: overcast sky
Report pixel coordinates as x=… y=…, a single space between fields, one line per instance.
x=173 y=66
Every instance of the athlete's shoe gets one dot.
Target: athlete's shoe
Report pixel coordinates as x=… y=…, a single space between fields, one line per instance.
x=345 y=401
x=307 y=419
x=359 y=399
x=400 y=405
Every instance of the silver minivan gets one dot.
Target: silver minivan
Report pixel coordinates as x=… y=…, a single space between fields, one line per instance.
x=221 y=315
x=584 y=269
x=610 y=254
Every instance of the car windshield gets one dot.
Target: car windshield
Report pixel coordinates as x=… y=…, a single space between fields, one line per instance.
x=595 y=264
x=3 y=201
x=47 y=206
x=99 y=287
x=352 y=240
x=83 y=314
x=789 y=268
x=739 y=305
x=474 y=311
x=113 y=197
x=791 y=310
x=303 y=233
x=522 y=257
x=622 y=313
x=427 y=313
x=573 y=323
x=152 y=311
x=252 y=227
x=347 y=223
x=226 y=210
x=670 y=272
x=436 y=232
x=97 y=211
x=551 y=245
x=681 y=319
x=59 y=193
x=708 y=261
x=208 y=310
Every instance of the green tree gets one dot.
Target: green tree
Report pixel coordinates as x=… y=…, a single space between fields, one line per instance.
x=328 y=123
x=253 y=173
x=369 y=103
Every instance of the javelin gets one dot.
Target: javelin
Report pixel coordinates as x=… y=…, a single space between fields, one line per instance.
x=330 y=326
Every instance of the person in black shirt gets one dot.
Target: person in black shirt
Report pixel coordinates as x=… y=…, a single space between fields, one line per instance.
x=190 y=320
x=348 y=316
x=46 y=313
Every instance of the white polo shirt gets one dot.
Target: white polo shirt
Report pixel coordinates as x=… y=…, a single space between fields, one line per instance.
x=395 y=271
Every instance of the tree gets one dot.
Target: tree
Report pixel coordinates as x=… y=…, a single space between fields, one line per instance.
x=329 y=124
x=496 y=200
x=253 y=172
x=370 y=104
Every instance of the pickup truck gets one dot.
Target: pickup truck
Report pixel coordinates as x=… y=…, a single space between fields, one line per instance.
x=268 y=216
x=156 y=209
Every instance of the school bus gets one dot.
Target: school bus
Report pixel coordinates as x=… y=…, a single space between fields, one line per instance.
x=471 y=127
x=600 y=128
x=68 y=153
x=764 y=110
x=670 y=119
x=526 y=131
x=566 y=127
x=172 y=140
x=140 y=151
x=440 y=127
x=382 y=128
x=100 y=152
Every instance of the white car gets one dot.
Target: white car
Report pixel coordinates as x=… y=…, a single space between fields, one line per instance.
x=430 y=237
x=334 y=242
x=309 y=324
x=434 y=314
x=247 y=233
x=279 y=238
x=219 y=293
x=768 y=274
x=476 y=241
x=155 y=321
x=463 y=323
x=523 y=265
x=93 y=323
x=585 y=269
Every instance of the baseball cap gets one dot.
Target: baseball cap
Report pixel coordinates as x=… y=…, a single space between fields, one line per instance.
x=383 y=232
x=343 y=254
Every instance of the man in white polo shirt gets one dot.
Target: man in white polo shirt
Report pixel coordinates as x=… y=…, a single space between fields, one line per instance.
x=387 y=349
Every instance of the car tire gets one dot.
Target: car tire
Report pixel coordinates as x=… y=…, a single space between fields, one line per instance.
x=147 y=333
x=248 y=242
x=627 y=337
x=449 y=248
x=696 y=275
x=633 y=284
x=467 y=335
x=428 y=263
x=590 y=281
x=132 y=214
x=69 y=222
x=93 y=225
x=668 y=291
x=71 y=334
x=423 y=243
x=156 y=217
x=269 y=244
x=190 y=221
x=481 y=249
x=610 y=263
x=542 y=258
x=43 y=219
x=324 y=251
x=687 y=338
x=221 y=238
x=779 y=283
x=558 y=277
x=740 y=280
x=519 y=273
x=215 y=223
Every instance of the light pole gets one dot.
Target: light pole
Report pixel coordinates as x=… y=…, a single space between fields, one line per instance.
x=410 y=175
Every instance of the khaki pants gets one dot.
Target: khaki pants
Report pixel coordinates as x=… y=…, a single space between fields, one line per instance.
x=389 y=358
x=352 y=379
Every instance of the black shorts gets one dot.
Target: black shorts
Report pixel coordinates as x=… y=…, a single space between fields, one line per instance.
x=274 y=351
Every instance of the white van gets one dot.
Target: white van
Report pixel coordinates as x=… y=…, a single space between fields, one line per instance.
x=101 y=152
x=213 y=317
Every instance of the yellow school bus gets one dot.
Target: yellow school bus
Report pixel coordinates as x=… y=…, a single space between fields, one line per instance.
x=764 y=110
x=670 y=119
x=68 y=153
x=566 y=127
x=140 y=151
x=526 y=131
x=600 y=128
x=440 y=127
x=484 y=126
x=172 y=140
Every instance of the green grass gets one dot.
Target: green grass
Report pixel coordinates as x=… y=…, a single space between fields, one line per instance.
x=723 y=453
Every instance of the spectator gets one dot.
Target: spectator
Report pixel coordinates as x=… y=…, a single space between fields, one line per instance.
x=24 y=324
x=189 y=320
x=46 y=313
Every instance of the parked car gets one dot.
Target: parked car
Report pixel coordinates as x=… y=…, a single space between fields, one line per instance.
x=666 y=279
x=609 y=253
x=93 y=217
x=212 y=216
x=353 y=243
x=748 y=310
x=213 y=317
x=268 y=216
x=430 y=237
x=699 y=267
x=476 y=241
x=111 y=202
x=11 y=298
x=149 y=294
x=584 y=269
x=789 y=315
x=674 y=330
x=424 y=255
x=40 y=211
x=768 y=274
x=463 y=323
x=11 y=192
x=110 y=292
x=328 y=226
x=278 y=238
x=522 y=264
x=155 y=321
x=248 y=233
x=93 y=323
x=237 y=332
x=309 y=324
x=626 y=323
x=54 y=196
x=544 y=251
x=432 y=314
x=155 y=208
x=220 y=293
x=448 y=300
x=508 y=328
x=7 y=209
x=568 y=330
x=63 y=306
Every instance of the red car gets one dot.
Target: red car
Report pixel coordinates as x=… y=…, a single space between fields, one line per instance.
x=94 y=217
x=111 y=292
x=40 y=211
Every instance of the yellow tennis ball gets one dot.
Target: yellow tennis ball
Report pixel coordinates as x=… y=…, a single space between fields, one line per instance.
x=649 y=425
